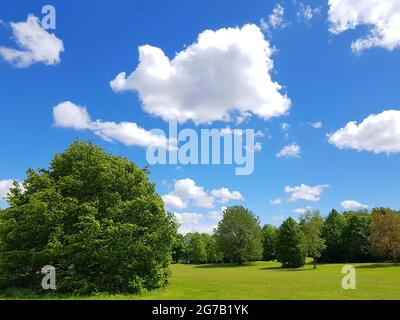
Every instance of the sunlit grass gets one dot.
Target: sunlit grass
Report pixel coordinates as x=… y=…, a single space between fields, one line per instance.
x=262 y=280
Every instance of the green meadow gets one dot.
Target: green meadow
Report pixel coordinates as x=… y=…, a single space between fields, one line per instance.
x=263 y=280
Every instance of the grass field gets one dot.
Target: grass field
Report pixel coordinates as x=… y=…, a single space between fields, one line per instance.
x=266 y=280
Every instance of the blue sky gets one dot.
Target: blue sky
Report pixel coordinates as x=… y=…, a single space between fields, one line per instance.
x=326 y=78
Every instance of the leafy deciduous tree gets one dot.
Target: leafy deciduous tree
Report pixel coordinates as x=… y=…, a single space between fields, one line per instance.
x=311 y=223
x=291 y=249
x=239 y=236
x=356 y=236
x=93 y=216
x=269 y=233
x=332 y=233
x=385 y=233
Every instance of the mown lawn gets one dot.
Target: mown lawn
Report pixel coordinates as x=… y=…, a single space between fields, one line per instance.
x=265 y=280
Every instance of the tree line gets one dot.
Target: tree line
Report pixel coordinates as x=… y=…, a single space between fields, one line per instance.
x=98 y=220
x=350 y=236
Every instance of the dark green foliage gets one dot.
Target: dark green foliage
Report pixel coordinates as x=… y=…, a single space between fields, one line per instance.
x=356 y=236
x=93 y=216
x=178 y=248
x=239 y=236
x=199 y=248
x=291 y=248
x=196 y=248
x=332 y=232
x=269 y=242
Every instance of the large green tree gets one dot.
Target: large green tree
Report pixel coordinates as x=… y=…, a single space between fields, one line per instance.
x=291 y=248
x=269 y=233
x=311 y=223
x=197 y=250
x=213 y=255
x=239 y=236
x=332 y=233
x=93 y=216
x=385 y=233
x=356 y=236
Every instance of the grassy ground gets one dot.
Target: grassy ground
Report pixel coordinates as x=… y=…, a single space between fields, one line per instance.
x=266 y=280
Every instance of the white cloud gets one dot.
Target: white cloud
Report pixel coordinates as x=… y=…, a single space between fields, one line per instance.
x=225 y=74
x=317 y=125
x=69 y=115
x=290 y=151
x=381 y=16
x=189 y=218
x=193 y=222
x=225 y=195
x=276 y=18
x=305 y=192
x=186 y=190
x=256 y=148
x=173 y=201
x=264 y=26
x=306 y=12
x=276 y=202
x=285 y=129
x=5 y=186
x=217 y=215
x=378 y=133
x=352 y=204
x=35 y=43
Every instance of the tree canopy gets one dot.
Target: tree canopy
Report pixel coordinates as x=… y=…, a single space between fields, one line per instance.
x=269 y=233
x=385 y=233
x=239 y=236
x=311 y=223
x=291 y=248
x=95 y=217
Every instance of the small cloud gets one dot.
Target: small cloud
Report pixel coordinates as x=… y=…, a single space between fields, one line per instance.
x=306 y=12
x=225 y=195
x=217 y=215
x=276 y=202
x=276 y=18
x=352 y=204
x=290 y=151
x=317 y=125
x=305 y=192
x=302 y=210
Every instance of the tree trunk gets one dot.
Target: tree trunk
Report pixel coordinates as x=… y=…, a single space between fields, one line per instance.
x=315 y=263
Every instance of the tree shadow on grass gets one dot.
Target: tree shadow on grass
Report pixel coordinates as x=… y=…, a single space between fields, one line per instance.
x=225 y=265
x=377 y=266
x=286 y=269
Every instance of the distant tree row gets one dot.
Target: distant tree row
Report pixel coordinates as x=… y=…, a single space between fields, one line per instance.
x=351 y=236
x=195 y=248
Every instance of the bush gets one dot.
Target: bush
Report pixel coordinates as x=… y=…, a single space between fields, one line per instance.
x=93 y=216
